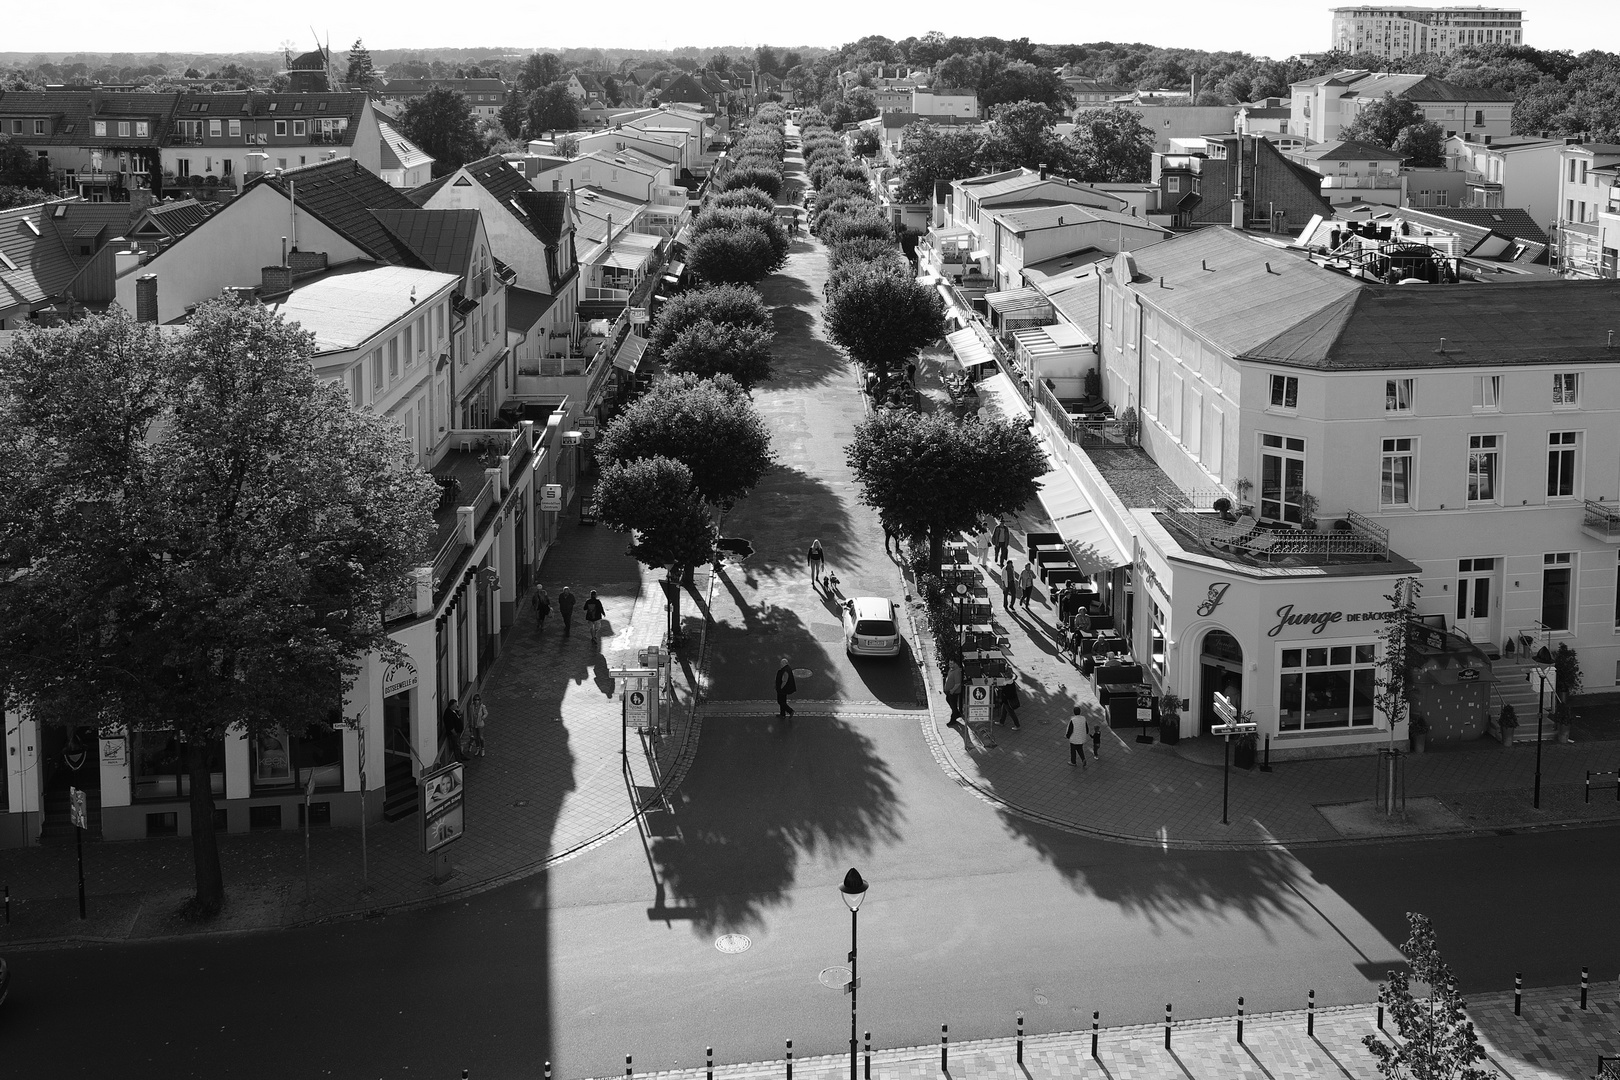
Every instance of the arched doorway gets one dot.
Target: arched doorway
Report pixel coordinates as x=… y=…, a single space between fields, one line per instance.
x=1220 y=663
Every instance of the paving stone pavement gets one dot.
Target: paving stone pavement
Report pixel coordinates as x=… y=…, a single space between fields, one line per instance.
x=1553 y=1040
x=554 y=783
x=1172 y=794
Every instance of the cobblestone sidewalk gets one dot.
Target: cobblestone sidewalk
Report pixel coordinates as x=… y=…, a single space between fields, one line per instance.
x=554 y=782
x=1554 y=1039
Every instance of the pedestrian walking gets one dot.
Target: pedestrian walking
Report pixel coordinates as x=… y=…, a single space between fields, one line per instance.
x=450 y=737
x=953 y=689
x=593 y=616
x=1026 y=583
x=1007 y=702
x=565 y=608
x=477 y=717
x=1000 y=537
x=817 y=557
x=1009 y=585
x=1076 y=734
x=890 y=537
x=542 y=607
x=1068 y=602
x=786 y=685
x=1094 y=729
x=1079 y=632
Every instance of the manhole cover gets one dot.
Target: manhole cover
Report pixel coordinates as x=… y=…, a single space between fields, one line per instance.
x=1040 y=999
x=801 y=673
x=732 y=943
x=834 y=978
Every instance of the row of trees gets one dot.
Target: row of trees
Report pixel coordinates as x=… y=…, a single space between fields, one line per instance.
x=686 y=451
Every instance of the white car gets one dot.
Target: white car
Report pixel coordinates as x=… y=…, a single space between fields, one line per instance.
x=871 y=627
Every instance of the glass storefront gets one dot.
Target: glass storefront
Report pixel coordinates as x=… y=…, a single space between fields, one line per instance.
x=1326 y=687
x=158 y=768
x=279 y=761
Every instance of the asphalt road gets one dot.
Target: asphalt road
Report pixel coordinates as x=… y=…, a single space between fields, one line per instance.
x=972 y=916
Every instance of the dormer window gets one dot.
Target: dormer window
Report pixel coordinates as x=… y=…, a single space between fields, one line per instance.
x=272 y=107
x=101 y=128
x=320 y=106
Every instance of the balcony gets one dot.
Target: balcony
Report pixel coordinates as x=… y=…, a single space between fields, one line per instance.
x=1375 y=181
x=180 y=138
x=1192 y=517
x=1601 y=521
x=476 y=472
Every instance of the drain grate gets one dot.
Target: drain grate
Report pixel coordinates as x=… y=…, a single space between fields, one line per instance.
x=732 y=943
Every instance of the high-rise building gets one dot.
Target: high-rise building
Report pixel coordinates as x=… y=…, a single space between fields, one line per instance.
x=1406 y=31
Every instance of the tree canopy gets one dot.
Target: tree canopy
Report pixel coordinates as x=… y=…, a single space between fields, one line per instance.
x=441 y=123
x=732 y=256
x=882 y=319
x=930 y=154
x=709 y=425
x=767 y=180
x=1110 y=146
x=362 y=72
x=737 y=305
x=212 y=534
x=1381 y=122
x=652 y=498
x=1023 y=134
x=20 y=169
x=707 y=349
x=932 y=475
x=1437 y=1040
x=553 y=108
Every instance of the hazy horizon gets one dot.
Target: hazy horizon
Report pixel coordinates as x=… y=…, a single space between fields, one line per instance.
x=1275 y=30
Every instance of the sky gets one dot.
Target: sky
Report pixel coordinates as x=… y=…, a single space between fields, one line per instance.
x=1275 y=28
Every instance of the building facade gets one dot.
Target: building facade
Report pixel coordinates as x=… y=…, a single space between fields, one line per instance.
x=1588 y=227
x=1394 y=32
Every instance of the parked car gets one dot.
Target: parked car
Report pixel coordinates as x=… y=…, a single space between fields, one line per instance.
x=871 y=627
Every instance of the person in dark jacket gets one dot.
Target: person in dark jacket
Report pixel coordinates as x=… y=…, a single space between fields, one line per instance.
x=454 y=725
x=1007 y=701
x=565 y=608
x=542 y=607
x=593 y=617
x=786 y=684
x=1000 y=537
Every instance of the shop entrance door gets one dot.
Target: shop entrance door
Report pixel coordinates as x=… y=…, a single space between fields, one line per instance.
x=1221 y=672
x=1474 y=598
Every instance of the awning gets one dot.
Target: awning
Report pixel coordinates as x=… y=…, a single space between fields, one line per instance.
x=968 y=349
x=684 y=237
x=675 y=269
x=626 y=260
x=630 y=353
x=1074 y=519
x=1048 y=342
x=1020 y=303
x=978 y=254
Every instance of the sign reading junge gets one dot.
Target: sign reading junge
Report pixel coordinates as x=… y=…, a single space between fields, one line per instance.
x=1321 y=620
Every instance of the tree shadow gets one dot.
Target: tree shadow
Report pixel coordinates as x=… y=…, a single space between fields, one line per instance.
x=762 y=797
x=783 y=514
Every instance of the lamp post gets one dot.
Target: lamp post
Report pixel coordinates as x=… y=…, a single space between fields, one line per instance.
x=854 y=891
x=1543 y=658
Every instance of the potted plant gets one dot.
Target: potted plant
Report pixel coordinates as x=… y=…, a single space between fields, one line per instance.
x=1418 y=731
x=1170 y=718
x=1241 y=487
x=1248 y=744
x=1508 y=722
x=1568 y=668
x=1308 y=504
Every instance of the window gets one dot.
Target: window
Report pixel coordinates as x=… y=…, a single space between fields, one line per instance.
x=279 y=760
x=377 y=370
x=1566 y=390
x=216 y=128
x=281 y=127
x=393 y=359
x=39 y=127
x=1442 y=198
x=1572 y=170
x=17 y=126
x=1479 y=117
x=1172 y=185
x=141 y=129
x=1395 y=473
x=1484 y=460
x=1326 y=687
x=101 y=128
x=1487 y=392
x=357 y=385
x=298 y=126
x=281 y=163
x=123 y=129
x=1561 y=447
x=235 y=128
x=1617 y=600
x=1398 y=395
x=1158 y=649
x=421 y=334
x=1284 y=392
x=410 y=354
x=1557 y=575
x=159 y=766
x=1282 y=479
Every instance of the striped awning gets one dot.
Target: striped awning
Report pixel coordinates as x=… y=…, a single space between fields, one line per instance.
x=968 y=349
x=1020 y=303
x=633 y=348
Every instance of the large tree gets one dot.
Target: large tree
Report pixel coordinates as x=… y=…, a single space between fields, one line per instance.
x=1382 y=122
x=514 y=114
x=19 y=168
x=1110 y=146
x=553 y=108
x=881 y=318
x=20 y=196
x=737 y=305
x=441 y=123
x=1023 y=133
x=707 y=349
x=1424 y=145
x=1025 y=82
x=930 y=154
x=733 y=256
x=653 y=499
x=932 y=475
x=539 y=71
x=709 y=425
x=1437 y=1040
x=362 y=73
x=210 y=535
x=723 y=218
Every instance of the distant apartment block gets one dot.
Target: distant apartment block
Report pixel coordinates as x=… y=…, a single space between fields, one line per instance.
x=1394 y=32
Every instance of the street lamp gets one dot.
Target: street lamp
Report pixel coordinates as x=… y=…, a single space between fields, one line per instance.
x=854 y=891
x=1544 y=659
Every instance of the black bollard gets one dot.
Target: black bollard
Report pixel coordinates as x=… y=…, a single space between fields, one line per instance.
x=1588 y=786
x=1240 y=1021
x=1518 y=993
x=1094 y=1017
x=548 y=1070
x=1020 y=1038
x=1380 y=1018
x=627 y=1064
x=790 y=1059
x=1265 y=766
x=1310 y=1014
x=8 y=905
x=1167 y=1023
x=868 y=1067
x=1583 y=988
x=708 y=1067
x=944 y=1048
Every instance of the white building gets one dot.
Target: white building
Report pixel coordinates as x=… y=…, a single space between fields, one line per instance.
x=1321 y=108
x=1589 y=210
x=1395 y=32
x=1517 y=172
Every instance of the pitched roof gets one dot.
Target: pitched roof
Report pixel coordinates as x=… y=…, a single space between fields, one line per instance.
x=543 y=217
x=1421 y=88
x=34 y=262
x=342 y=193
x=413 y=87
x=398 y=151
x=683 y=88
x=1516 y=223
x=548 y=214
x=1350 y=148
x=176 y=217
x=1024 y=219
x=442 y=239
x=524 y=308
x=71 y=115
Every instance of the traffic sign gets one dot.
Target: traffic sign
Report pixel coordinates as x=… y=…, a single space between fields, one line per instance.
x=77 y=813
x=1234 y=728
x=635 y=704
x=978 y=703
x=1224 y=708
x=551 y=498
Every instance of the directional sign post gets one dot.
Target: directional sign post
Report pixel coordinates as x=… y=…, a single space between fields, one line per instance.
x=1231 y=726
x=636 y=688
x=79 y=815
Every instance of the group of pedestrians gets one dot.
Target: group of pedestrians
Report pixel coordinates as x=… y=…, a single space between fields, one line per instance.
x=592 y=611
x=461 y=734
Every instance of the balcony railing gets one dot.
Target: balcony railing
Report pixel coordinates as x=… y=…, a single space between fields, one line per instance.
x=445 y=561
x=1086 y=430
x=1363 y=183
x=1354 y=538
x=485 y=501
x=1602 y=520
x=594 y=292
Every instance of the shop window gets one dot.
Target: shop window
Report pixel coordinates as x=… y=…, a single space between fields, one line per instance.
x=1158 y=644
x=1487 y=393
x=1284 y=392
x=1398 y=395
x=1557 y=579
x=1484 y=461
x=1561 y=452
x=264 y=817
x=1326 y=687
x=1566 y=390
x=278 y=760
x=463 y=674
x=1282 y=479
x=159 y=768
x=1396 y=472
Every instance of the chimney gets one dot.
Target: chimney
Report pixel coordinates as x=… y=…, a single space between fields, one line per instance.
x=1043 y=170
x=277 y=280
x=1487 y=140
x=146 y=309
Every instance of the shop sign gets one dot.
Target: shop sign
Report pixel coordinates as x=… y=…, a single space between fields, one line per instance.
x=571 y=438
x=442 y=810
x=1467 y=674
x=978 y=703
x=1427 y=636
x=587 y=428
x=1321 y=620
x=1217 y=593
x=398 y=678
x=114 y=752
x=551 y=498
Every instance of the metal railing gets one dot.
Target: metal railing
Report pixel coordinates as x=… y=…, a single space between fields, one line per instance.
x=445 y=561
x=1602 y=518
x=1357 y=539
x=485 y=501
x=596 y=292
x=1085 y=430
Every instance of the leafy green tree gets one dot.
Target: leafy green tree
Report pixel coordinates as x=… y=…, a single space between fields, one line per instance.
x=540 y=70
x=1021 y=81
x=514 y=114
x=867 y=143
x=740 y=256
x=745 y=217
x=930 y=154
x=441 y=122
x=1023 y=134
x=708 y=349
x=362 y=72
x=1437 y=1040
x=767 y=180
x=835 y=228
x=708 y=425
x=1382 y=122
x=1110 y=146
x=882 y=319
x=862 y=249
x=568 y=147
x=744 y=196
x=213 y=553
x=20 y=196
x=733 y=305
x=553 y=108
x=1424 y=145
x=933 y=476
x=19 y=168
x=652 y=498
